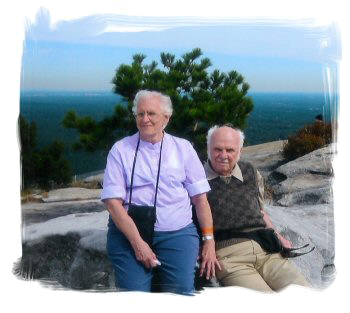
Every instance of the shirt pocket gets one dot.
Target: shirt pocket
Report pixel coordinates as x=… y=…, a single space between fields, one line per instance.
x=175 y=176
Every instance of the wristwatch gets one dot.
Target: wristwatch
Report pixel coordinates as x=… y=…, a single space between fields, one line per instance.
x=207 y=237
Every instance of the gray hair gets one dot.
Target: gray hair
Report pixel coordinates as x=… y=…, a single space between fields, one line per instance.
x=164 y=100
x=215 y=127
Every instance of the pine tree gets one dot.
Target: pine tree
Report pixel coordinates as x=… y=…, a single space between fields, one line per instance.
x=200 y=100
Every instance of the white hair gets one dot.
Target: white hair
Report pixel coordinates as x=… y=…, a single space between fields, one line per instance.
x=164 y=100
x=215 y=127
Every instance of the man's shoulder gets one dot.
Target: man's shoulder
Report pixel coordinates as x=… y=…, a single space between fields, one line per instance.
x=245 y=164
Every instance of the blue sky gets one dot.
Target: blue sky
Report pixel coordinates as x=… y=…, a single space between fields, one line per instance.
x=83 y=54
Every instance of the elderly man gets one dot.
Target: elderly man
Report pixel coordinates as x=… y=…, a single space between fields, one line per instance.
x=236 y=201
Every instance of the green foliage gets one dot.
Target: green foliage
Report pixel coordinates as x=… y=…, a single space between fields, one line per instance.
x=41 y=167
x=200 y=100
x=307 y=139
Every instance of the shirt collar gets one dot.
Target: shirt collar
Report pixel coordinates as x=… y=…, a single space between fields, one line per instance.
x=152 y=146
x=211 y=174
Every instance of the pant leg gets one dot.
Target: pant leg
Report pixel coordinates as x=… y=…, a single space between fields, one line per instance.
x=130 y=274
x=238 y=267
x=177 y=251
x=277 y=271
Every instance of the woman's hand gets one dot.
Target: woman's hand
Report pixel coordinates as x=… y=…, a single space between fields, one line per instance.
x=208 y=259
x=126 y=225
x=208 y=256
x=144 y=254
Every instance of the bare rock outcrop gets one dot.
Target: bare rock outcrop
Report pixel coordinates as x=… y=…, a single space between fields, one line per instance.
x=64 y=238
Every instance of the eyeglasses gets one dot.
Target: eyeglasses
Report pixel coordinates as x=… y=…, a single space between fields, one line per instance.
x=151 y=115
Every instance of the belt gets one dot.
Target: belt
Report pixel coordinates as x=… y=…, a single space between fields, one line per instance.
x=229 y=242
x=225 y=238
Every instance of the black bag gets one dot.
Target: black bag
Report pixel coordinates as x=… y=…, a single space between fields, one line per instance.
x=267 y=239
x=144 y=216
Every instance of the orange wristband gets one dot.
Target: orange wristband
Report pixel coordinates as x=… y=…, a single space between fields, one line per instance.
x=207 y=230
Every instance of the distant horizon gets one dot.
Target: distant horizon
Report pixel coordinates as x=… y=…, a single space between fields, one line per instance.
x=289 y=111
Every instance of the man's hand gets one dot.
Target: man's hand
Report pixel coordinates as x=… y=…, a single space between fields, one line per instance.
x=285 y=243
x=208 y=259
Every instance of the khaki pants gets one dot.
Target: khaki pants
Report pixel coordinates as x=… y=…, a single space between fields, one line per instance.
x=247 y=265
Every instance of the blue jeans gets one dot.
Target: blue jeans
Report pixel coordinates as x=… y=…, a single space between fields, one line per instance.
x=176 y=250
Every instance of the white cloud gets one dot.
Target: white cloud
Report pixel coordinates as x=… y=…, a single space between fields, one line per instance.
x=252 y=46
x=116 y=22
x=311 y=39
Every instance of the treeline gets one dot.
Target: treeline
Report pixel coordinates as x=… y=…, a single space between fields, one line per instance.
x=47 y=167
x=43 y=168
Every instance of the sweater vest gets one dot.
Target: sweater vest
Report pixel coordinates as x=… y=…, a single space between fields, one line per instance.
x=235 y=204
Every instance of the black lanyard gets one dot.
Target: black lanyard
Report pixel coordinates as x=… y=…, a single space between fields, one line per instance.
x=133 y=169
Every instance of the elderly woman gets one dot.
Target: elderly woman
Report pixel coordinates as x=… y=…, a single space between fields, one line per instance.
x=152 y=169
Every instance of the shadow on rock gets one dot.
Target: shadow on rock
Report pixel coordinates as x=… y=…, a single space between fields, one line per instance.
x=58 y=262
